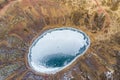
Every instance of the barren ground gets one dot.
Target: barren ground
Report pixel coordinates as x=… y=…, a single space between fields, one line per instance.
x=21 y=21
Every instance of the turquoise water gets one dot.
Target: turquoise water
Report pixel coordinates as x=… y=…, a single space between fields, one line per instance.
x=57 y=60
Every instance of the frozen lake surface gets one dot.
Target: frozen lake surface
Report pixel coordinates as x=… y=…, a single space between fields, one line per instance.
x=56 y=49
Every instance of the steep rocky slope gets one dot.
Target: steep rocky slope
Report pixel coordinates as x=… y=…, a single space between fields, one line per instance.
x=21 y=21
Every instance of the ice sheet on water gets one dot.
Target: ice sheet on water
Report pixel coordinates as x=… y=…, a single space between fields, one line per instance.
x=56 y=49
